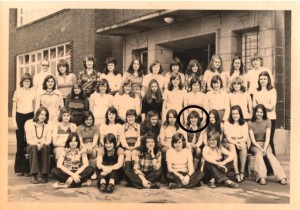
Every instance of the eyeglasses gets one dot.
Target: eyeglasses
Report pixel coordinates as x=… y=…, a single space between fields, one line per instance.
x=45 y=65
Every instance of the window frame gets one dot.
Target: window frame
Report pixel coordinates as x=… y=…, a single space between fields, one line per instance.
x=33 y=67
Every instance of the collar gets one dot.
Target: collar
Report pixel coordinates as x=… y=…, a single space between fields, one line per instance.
x=126 y=126
x=54 y=92
x=36 y=125
x=83 y=127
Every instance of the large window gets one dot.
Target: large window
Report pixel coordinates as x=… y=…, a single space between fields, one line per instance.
x=249 y=46
x=29 y=15
x=30 y=62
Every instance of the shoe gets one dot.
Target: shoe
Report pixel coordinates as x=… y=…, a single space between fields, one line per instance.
x=283 y=181
x=238 y=178
x=19 y=174
x=110 y=188
x=242 y=176
x=154 y=186
x=94 y=176
x=27 y=174
x=174 y=186
x=86 y=183
x=102 y=187
x=60 y=185
x=163 y=180
x=44 y=178
x=34 y=179
x=212 y=184
x=262 y=181
x=231 y=184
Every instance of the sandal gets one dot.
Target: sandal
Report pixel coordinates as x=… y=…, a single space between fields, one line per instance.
x=242 y=176
x=238 y=178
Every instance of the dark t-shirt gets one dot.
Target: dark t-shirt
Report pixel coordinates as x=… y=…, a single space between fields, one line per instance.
x=259 y=129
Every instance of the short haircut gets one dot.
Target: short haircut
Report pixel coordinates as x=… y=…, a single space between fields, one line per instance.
x=88 y=58
x=237 y=80
x=153 y=64
x=215 y=79
x=177 y=137
x=103 y=82
x=26 y=76
x=62 y=111
x=86 y=115
x=257 y=56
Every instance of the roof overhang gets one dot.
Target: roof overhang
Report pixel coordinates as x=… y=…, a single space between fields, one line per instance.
x=150 y=22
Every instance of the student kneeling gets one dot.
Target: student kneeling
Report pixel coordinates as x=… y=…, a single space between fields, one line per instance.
x=147 y=165
x=73 y=168
x=180 y=165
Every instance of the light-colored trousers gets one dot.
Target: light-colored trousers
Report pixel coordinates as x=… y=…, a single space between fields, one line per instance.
x=260 y=169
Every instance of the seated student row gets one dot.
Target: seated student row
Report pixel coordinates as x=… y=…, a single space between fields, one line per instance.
x=279 y=174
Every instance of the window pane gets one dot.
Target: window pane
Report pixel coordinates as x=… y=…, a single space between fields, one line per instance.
x=60 y=51
x=33 y=58
x=39 y=56
x=38 y=68
x=69 y=62
x=27 y=59
x=53 y=53
x=32 y=70
x=45 y=54
x=53 y=67
x=21 y=71
x=21 y=60
x=27 y=69
x=68 y=50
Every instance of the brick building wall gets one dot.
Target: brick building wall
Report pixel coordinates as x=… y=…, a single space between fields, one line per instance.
x=75 y=25
x=287 y=86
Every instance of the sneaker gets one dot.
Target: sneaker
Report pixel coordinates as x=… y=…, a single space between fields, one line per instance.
x=94 y=176
x=34 y=179
x=110 y=188
x=44 y=178
x=60 y=185
x=231 y=184
x=86 y=183
x=154 y=186
x=212 y=184
x=102 y=187
x=19 y=174
x=174 y=186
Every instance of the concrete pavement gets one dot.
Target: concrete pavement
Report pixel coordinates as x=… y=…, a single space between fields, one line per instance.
x=21 y=190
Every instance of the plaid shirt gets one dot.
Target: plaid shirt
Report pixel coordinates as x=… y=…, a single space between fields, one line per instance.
x=145 y=162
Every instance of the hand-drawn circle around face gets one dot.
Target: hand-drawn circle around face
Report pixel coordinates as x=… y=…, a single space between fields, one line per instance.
x=193 y=106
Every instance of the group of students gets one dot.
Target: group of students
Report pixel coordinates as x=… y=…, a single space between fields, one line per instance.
x=106 y=127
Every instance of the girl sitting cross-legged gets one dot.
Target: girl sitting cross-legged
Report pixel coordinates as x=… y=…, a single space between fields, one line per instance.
x=73 y=168
x=215 y=166
x=109 y=164
x=147 y=165
x=181 y=173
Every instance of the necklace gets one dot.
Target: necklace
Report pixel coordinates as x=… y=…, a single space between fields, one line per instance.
x=39 y=137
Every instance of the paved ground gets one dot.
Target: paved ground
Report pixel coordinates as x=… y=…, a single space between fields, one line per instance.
x=21 y=190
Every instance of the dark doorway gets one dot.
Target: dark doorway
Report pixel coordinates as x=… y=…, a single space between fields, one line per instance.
x=200 y=48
